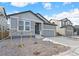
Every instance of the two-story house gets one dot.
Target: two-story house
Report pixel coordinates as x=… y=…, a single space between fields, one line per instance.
x=64 y=27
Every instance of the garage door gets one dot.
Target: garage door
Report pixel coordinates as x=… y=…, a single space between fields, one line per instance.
x=48 y=33
x=49 y=30
x=69 y=33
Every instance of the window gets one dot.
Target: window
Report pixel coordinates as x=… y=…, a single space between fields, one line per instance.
x=24 y=25
x=27 y=25
x=21 y=25
x=14 y=23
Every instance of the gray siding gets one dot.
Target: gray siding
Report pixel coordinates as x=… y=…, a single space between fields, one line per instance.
x=47 y=30
x=25 y=16
x=28 y=16
x=16 y=32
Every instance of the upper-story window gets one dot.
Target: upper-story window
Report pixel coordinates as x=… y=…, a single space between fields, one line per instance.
x=64 y=23
x=69 y=23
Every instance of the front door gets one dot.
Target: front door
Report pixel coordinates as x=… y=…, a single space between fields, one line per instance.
x=37 y=28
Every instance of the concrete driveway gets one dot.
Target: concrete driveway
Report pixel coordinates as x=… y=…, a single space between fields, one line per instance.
x=67 y=41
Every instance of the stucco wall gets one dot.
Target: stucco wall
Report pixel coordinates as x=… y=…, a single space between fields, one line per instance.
x=69 y=31
x=61 y=31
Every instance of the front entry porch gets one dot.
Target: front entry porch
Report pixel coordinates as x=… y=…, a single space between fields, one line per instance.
x=38 y=27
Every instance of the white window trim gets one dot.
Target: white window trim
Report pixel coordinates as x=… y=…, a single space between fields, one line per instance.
x=18 y=23
x=24 y=25
x=27 y=25
x=10 y=22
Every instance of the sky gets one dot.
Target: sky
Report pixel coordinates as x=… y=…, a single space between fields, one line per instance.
x=50 y=10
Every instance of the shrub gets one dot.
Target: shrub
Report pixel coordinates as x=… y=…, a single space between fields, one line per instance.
x=21 y=45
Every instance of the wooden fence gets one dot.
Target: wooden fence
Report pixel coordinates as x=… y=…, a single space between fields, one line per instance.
x=4 y=34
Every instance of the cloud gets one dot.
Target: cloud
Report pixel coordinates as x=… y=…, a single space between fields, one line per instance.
x=66 y=3
x=21 y=4
x=47 y=5
x=72 y=15
x=48 y=17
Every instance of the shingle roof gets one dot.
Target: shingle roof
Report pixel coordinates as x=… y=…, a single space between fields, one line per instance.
x=65 y=19
x=39 y=15
x=51 y=24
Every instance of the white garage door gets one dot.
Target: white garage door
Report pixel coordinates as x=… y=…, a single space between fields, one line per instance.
x=49 y=30
x=49 y=33
x=69 y=33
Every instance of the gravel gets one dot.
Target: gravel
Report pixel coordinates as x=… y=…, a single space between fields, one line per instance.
x=30 y=47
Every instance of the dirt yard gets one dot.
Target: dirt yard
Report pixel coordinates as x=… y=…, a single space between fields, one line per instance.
x=30 y=47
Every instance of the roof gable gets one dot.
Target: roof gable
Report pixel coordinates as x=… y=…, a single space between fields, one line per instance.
x=40 y=17
x=44 y=19
x=26 y=12
x=65 y=19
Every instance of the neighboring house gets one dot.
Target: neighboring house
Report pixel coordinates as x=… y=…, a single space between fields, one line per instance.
x=31 y=24
x=64 y=27
x=3 y=20
x=76 y=29
x=3 y=24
